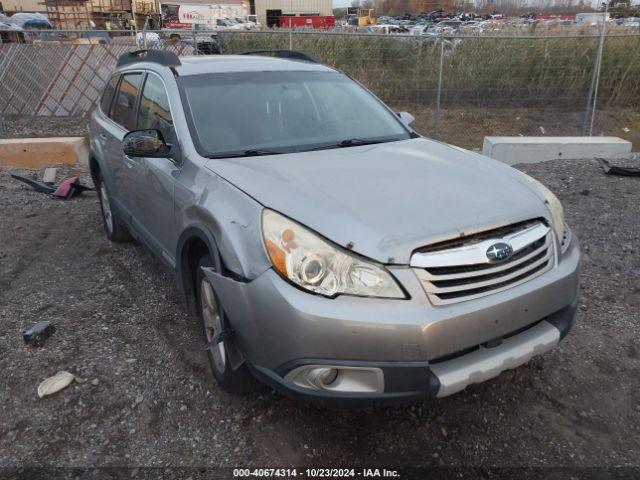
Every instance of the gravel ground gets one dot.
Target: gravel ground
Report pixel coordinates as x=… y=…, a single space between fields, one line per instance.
x=27 y=126
x=144 y=394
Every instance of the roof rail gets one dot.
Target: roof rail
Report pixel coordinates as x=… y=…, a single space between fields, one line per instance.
x=290 y=54
x=162 y=57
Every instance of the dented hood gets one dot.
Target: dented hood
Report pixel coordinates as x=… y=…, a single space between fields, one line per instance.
x=387 y=199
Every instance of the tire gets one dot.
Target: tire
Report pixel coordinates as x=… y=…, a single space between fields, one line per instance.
x=213 y=319
x=115 y=229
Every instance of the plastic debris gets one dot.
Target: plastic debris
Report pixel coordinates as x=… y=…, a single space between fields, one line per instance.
x=49 y=176
x=36 y=335
x=56 y=383
x=21 y=20
x=38 y=186
x=617 y=170
x=70 y=188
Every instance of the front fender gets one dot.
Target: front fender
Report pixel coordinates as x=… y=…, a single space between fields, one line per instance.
x=226 y=218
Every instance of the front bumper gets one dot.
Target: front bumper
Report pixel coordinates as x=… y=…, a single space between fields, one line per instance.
x=422 y=350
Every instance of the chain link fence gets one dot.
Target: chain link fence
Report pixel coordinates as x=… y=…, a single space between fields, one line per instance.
x=458 y=88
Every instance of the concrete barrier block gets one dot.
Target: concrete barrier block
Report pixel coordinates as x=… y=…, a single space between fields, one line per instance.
x=42 y=152
x=514 y=150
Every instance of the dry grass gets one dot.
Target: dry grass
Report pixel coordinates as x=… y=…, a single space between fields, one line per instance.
x=477 y=72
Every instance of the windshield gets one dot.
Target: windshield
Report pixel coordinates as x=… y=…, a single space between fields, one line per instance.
x=282 y=112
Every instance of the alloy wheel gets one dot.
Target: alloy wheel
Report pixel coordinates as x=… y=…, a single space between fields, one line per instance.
x=212 y=323
x=106 y=208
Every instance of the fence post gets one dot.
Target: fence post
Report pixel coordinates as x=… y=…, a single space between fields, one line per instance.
x=195 y=40
x=290 y=36
x=585 y=123
x=597 y=70
x=144 y=35
x=2 y=128
x=436 y=126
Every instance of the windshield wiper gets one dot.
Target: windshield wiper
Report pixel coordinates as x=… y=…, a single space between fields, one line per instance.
x=254 y=152
x=350 y=142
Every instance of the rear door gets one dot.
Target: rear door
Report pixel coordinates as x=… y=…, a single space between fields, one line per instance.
x=123 y=114
x=152 y=188
x=107 y=138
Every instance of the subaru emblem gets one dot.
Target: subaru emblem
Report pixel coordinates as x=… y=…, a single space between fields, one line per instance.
x=499 y=252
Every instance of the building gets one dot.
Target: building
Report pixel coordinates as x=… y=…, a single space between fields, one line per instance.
x=86 y=14
x=29 y=6
x=69 y=14
x=269 y=11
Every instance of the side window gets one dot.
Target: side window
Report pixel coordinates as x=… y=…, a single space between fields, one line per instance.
x=154 y=110
x=107 y=95
x=125 y=102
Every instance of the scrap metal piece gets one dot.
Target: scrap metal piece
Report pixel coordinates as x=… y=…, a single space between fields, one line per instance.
x=617 y=170
x=36 y=335
x=38 y=186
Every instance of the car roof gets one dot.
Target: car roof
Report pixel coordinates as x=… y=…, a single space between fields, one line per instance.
x=203 y=64
x=195 y=65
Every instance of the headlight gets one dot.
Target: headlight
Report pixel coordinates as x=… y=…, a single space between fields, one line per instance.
x=555 y=207
x=316 y=265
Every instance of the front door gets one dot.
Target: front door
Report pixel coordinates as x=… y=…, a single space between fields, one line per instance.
x=152 y=186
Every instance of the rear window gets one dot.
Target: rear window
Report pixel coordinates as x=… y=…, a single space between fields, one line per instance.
x=107 y=95
x=124 y=107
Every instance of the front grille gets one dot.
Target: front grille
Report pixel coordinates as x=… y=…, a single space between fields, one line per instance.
x=464 y=272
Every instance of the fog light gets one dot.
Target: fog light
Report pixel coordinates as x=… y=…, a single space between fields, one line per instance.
x=337 y=378
x=322 y=377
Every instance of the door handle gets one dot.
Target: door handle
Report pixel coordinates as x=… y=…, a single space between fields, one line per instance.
x=103 y=138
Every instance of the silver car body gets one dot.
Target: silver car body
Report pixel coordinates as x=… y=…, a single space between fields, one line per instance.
x=391 y=203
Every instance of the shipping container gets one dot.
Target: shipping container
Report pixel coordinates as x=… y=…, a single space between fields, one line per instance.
x=308 y=21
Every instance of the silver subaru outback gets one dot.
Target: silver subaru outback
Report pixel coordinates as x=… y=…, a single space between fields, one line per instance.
x=327 y=249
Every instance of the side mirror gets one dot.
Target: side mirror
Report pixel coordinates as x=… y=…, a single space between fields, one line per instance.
x=406 y=118
x=146 y=143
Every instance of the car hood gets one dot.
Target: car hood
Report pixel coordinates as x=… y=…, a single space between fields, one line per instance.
x=387 y=200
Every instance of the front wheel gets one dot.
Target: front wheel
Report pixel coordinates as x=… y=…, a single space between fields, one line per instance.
x=214 y=320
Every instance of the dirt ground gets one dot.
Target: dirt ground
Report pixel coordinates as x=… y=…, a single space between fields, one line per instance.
x=144 y=395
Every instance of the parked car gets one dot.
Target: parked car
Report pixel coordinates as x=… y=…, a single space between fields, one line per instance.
x=207 y=44
x=228 y=24
x=632 y=22
x=248 y=25
x=327 y=248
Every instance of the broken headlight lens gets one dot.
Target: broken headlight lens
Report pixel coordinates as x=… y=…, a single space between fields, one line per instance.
x=554 y=206
x=315 y=264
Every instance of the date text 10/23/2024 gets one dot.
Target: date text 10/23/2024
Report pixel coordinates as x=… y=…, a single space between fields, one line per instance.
x=316 y=473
